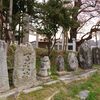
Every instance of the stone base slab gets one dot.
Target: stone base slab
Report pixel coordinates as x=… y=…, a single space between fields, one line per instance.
x=32 y=89
x=44 y=79
x=61 y=73
x=82 y=76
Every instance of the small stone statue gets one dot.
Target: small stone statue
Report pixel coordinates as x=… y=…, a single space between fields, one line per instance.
x=72 y=61
x=60 y=63
x=45 y=67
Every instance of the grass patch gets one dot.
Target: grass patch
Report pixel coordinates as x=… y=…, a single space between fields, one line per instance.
x=40 y=94
x=96 y=66
x=92 y=85
x=67 y=92
x=60 y=96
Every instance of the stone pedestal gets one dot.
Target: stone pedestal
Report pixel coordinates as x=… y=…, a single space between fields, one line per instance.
x=44 y=79
x=61 y=73
x=24 y=74
x=4 y=82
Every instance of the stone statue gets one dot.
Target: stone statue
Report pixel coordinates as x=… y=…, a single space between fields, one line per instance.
x=60 y=63
x=45 y=67
x=72 y=61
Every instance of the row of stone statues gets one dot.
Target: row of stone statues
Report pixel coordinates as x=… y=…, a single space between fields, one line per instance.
x=24 y=73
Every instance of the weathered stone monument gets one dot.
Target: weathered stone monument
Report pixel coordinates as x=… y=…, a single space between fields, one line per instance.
x=45 y=67
x=96 y=55
x=60 y=63
x=85 y=56
x=4 y=82
x=72 y=61
x=24 y=74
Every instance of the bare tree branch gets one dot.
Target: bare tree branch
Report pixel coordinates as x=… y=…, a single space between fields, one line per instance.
x=85 y=22
x=87 y=6
x=94 y=29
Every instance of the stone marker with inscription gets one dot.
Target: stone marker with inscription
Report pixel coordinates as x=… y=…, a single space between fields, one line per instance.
x=4 y=82
x=24 y=74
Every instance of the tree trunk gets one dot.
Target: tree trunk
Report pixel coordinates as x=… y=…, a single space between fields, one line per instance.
x=65 y=41
x=73 y=31
x=1 y=20
x=1 y=5
x=49 y=46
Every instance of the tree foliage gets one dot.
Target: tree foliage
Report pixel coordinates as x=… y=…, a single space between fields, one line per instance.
x=50 y=16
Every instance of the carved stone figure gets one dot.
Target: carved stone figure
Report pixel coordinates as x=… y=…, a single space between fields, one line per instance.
x=60 y=63
x=72 y=61
x=45 y=67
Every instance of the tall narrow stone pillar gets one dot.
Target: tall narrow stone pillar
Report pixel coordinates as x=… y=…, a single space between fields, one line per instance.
x=74 y=44
x=4 y=82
